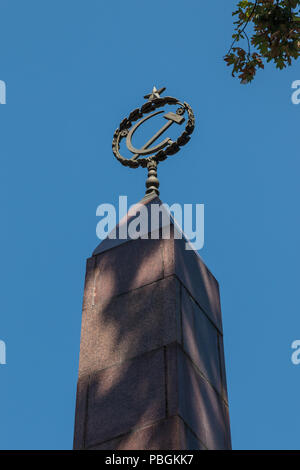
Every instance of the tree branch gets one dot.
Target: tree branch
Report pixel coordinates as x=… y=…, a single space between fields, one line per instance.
x=240 y=31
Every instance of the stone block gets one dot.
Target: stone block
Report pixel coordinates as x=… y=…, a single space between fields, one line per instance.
x=89 y=284
x=169 y=434
x=125 y=396
x=223 y=368
x=127 y=267
x=192 y=398
x=200 y=341
x=195 y=276
x=130 y=324
x=80 y=412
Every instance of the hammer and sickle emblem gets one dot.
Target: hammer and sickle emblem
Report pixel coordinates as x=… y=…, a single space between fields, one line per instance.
x=151 y=153
x=145 y=150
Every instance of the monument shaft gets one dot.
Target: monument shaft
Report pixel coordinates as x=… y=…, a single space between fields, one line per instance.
x=151 y=371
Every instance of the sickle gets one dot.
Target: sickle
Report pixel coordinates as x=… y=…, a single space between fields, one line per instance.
x=144 y=150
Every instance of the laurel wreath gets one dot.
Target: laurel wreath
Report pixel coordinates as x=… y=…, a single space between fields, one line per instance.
x=138 y=113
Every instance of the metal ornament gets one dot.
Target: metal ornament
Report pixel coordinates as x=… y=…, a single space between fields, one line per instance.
x=161 y=151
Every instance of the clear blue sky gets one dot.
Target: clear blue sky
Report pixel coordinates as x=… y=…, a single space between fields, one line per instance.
x=73 y=70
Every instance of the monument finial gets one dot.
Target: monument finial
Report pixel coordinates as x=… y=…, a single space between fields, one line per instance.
x=147 y=156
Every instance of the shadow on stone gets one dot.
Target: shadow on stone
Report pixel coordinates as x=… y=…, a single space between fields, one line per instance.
x=151 y=372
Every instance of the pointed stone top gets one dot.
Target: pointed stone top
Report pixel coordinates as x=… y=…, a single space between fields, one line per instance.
x=120 y=234
x=146 y=227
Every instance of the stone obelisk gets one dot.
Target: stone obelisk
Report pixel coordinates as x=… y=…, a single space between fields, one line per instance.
x=151 y=369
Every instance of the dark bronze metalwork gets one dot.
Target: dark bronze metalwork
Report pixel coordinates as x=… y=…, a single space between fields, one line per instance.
x=158 y=152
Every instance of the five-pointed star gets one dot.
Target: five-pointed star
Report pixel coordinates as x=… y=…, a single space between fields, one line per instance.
x=155 y=93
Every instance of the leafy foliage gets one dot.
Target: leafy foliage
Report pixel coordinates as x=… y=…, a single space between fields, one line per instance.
x=276 y=36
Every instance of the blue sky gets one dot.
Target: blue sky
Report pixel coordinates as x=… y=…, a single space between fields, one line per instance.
x=73 y=70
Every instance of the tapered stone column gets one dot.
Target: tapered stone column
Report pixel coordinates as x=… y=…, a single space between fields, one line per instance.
x=151 y=371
